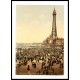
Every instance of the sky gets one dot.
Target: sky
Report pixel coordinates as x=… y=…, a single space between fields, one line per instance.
x=34 y=22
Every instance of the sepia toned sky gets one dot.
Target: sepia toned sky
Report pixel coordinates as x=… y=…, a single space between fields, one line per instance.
x=34 y=22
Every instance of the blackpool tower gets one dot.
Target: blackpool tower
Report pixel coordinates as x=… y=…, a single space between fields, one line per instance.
x=54 y=30
x=53 y=36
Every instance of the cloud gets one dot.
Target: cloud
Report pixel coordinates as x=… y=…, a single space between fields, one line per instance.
x=27 y=15
x=42 y=16
x=34 y=22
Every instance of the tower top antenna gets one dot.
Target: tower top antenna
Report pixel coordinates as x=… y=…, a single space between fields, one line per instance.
x=54 y=11
x=54 y=8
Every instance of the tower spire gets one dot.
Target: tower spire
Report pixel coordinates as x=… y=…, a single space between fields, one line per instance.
x=54 y=7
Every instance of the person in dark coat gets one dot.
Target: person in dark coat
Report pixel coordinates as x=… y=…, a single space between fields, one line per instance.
x=35 y=65
x=53 y=70
x=28 y=67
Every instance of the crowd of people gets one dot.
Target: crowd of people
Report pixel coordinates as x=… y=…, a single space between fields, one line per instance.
x=46 y=56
